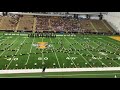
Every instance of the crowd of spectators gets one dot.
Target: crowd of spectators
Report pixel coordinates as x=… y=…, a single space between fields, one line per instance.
x=42 y=23
x=9 y=22
x=57 y=23
x=51 y=23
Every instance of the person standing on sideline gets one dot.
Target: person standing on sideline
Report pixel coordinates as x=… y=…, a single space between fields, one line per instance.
x=44 y=68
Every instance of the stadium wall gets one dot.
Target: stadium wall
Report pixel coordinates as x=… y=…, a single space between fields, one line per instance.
x=113 y=19
x=1 y=13
x=59 y=70
x=91 y=17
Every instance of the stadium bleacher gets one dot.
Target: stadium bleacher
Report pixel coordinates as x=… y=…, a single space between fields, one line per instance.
x=8 y=23
x=53 y=23
x=26 y=23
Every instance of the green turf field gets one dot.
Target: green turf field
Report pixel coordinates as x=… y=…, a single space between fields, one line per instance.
x=93 y=74
x=20 y=52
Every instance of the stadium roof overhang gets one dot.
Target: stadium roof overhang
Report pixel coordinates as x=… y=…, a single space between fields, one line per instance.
x=39 y=14
x=89 y=13
x=64 y=13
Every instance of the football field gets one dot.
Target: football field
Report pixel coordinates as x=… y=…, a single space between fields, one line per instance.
x=22 y=52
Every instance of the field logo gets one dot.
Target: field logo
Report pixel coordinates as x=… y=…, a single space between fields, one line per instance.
x=42 y=45
x=115 y=37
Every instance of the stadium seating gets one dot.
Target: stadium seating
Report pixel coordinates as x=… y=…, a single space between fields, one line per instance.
x=112 y=30
x=42 y=23
x=26 y=23
x=86 y=26
x=56 y=23
x=8 y=23
x=53 y=23
x=100 y=26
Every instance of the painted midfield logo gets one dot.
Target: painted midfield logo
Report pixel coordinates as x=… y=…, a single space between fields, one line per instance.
x=42 y=45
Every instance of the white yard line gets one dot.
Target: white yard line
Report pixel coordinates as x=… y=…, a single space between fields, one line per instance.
x=93 y=26
x=108 y=57
x=91 y=53
x=71 y=59
x=42 y=54
x=108 y=50
x=30 y=51
x=79 y=53
x=4 y=40
x=98 y=59
x=111 y=42
x=108 y=42
x=56 y=56
x=7 y=49
x=15 y=54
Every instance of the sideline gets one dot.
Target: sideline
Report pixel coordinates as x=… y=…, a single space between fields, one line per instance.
x=27 y=35
x=59 y=70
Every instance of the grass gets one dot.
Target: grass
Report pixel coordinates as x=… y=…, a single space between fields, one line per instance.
x=83 y=52
x=64 y=51
x=96 y=74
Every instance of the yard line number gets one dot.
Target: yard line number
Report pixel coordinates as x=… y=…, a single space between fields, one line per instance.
x=9 y=59
x=71 y=58
x=40 y=58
